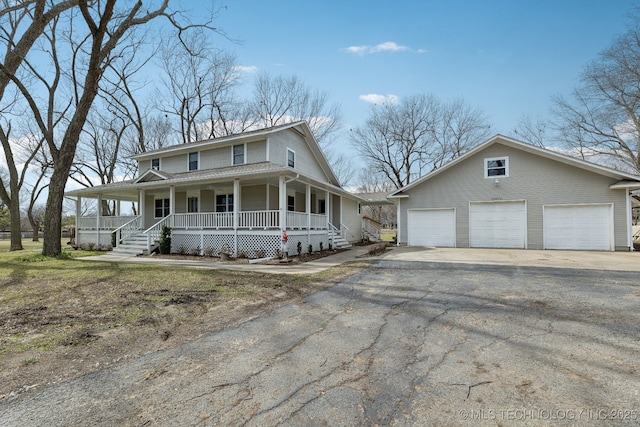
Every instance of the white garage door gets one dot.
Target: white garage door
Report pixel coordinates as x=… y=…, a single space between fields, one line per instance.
x=586 y=227
x=431 y=227
x=497 y=224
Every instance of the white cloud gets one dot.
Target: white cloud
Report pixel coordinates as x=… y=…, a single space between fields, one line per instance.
x=376 y=99
x=382 y=47
x=249 y=69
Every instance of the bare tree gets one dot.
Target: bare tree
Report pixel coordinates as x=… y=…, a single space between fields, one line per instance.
x=417 y=135
x=532 y=131
x=601 y=119
x=371 y=182
x=199 y=83
x=88 y=33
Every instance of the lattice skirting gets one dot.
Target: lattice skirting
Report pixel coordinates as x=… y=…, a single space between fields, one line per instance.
x=85 y=237
x=249 y=244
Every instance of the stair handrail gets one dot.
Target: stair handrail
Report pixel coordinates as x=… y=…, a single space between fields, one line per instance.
x=153 y=232
x=370 y=226
x=127 y=229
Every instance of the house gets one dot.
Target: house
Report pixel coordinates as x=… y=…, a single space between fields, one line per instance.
x=238 y=193
x=509 y=194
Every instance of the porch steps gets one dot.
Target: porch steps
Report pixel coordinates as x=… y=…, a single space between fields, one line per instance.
x=370 y=236
x=339 y=242
x=134 y=245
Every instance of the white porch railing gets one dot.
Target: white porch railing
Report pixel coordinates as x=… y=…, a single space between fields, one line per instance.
x=153 y=232
x=297 y=220
x=106 y=222
x=127 y=229
x=258 y=219
x=319 y=221
x=203 y=220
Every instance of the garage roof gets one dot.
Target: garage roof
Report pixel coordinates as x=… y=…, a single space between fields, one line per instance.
x=627 y=181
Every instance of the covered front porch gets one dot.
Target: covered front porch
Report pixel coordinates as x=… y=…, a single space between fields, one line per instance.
x=244 y=217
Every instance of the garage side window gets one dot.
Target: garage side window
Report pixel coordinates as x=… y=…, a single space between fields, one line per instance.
x=496 y=167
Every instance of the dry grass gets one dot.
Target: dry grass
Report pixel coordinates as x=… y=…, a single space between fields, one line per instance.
x=57 y=310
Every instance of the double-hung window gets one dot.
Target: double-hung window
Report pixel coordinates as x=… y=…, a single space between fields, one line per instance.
x=193 y=161
x=291 y=158
x=161 y=208
x=155 y=164
x=238 y=154
x=224 y=203
x=496 y=167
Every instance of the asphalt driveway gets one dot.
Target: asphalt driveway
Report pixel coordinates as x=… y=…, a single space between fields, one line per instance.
x=403 y=343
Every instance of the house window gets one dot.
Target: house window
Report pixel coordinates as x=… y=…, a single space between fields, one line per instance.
x=291 y=158
x=496 y=167
x=193 y=161
x=162 y=208
x=291 y=203
x=192 y=204
x=323 y=207
x=155 y=164
x=238 y=154
x=224 y=203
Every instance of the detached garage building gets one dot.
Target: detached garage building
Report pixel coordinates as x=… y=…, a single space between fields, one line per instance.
x=509 y=194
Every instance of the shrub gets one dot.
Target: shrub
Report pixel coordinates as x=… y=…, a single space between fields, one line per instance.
x=299 y=248
x=321 y=246
x=195 y=251
x=310 y=249
x=165 y=240
x=182 y=250
x=208 y=251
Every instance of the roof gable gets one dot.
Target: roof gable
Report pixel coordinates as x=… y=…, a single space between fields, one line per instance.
x=153 y=175
x=537 y=151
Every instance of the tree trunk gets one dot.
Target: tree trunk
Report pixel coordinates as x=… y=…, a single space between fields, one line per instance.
x=16 y=235
x=53 y=214
x=35 y=226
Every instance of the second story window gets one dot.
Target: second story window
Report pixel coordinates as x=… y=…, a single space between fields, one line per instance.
x=496 y=167
x=155 y=164
x=238 y=154
x=291 y=158
x=193 y=161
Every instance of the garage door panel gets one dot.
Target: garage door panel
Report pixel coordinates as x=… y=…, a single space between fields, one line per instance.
x=497 y=224
x=581 y=227
x=431 y=227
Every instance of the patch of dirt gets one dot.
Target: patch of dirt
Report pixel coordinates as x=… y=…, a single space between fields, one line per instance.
x=88 y=342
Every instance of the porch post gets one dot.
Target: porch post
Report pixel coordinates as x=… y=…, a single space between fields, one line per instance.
x=117 y=207
x=308 y=209
x=98 y=213
x=78 y=213
x=327 y=207
x=141 y=197
x=172 y=202
x=236 y=214
x=283 y=202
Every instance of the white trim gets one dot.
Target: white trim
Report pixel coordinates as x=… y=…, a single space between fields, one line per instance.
x=454 y=225
x=159 y=163
x=611 y=220
x=286 y=160
x=487 y=202
x=244 y=154
x=197 y=153
x=629 y=215
x=491 y=159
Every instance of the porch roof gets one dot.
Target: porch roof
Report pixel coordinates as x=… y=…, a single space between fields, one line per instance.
x=128 y=190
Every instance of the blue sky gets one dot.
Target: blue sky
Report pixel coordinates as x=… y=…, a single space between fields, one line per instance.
x=506 y=57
